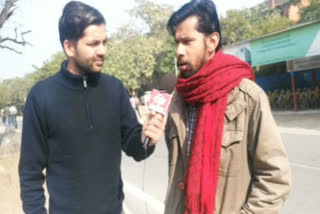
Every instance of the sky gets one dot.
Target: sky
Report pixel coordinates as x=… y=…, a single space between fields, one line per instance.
x=41 y=16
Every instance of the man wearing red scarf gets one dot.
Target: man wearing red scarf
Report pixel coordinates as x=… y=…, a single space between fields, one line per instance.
x=225 y=153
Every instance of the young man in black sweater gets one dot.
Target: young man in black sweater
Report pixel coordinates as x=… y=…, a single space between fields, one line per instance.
x=75 y=125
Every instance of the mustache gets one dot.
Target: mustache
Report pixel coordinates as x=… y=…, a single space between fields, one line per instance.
x=182 y=62
x=99 y=58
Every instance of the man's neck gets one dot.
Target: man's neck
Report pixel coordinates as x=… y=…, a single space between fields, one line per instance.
x=72 y=68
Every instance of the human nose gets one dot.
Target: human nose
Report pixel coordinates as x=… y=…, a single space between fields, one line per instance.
x=180 y=50
x=102 y=50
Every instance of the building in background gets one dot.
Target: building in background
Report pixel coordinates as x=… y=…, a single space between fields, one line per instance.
x=286 y=64
x=288 y=8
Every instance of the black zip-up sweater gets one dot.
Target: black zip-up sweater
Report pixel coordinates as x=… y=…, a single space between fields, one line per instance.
x=75 y=127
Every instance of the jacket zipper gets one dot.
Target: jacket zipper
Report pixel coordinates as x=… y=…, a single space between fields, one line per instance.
x=89 y=117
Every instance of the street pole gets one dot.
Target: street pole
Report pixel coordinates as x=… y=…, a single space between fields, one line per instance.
x=293 y=87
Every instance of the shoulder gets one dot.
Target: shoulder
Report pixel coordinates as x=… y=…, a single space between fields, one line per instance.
x=256 y=97
x=251 y=88
x=111 y=80
x=41 y=90
x=246 y=95
x=113 y=86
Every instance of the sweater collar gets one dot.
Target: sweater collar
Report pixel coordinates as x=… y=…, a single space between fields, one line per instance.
x=90 y=79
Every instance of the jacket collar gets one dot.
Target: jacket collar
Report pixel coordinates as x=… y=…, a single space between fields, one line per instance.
x=78 y=81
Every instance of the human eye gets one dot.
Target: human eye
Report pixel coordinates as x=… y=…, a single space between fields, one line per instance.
x=93 y=44
x=187 y=41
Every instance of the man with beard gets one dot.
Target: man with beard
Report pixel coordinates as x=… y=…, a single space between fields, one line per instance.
x=225 y=153
x=75 y=125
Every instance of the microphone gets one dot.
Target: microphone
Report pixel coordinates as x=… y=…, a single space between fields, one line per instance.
x=159 y=102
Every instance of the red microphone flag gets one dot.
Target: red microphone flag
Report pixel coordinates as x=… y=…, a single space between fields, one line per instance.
x=159 y=102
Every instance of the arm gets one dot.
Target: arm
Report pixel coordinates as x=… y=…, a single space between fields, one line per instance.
x=131 y=130
x=33 y=159
x=271 y=177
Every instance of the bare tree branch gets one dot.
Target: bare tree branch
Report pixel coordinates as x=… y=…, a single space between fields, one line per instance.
x=16 y=40
x=6 y=12
x=11 y=49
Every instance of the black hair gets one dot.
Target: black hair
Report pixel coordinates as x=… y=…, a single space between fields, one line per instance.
x=206 y=12
x=75 y=18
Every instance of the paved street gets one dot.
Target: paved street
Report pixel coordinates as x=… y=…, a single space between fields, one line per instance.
x=301 y=136
x=146 y=182
x=304 y=156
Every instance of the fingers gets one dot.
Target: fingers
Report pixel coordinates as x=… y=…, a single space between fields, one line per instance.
x=157 y=121
x=154 y=127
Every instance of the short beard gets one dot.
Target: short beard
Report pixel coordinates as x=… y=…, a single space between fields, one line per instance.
x=203 y=62
x=185 y=75
x=82 y=69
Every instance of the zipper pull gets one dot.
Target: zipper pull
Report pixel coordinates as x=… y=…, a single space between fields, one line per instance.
x=85 y=85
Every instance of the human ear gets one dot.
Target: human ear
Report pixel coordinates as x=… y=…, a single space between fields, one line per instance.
x=213 y=41
x=69 y=48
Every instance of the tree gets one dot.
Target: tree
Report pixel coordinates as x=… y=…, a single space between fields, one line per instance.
x=240 y=25
x=294 y=2
x=132 y=61
x=235 y=27
x=49 y=67
x=8 y=42
x=166 y=57
x=312 y=12
x=4 y=94
x=267 y=21
x=155 y=16
x=137 y=56
x=14 y=91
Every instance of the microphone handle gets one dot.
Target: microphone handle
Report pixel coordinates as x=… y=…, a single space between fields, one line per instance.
x=146 y=143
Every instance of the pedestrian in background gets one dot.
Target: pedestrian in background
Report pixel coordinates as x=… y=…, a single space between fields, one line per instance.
x=3 y=118
x=13 y=116
x=7 y=116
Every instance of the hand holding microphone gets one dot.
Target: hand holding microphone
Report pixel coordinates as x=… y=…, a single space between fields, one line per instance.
x=158 y=105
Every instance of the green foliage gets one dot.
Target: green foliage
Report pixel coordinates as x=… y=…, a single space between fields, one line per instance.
x=4 y=94
x=312 y=12
x=294 y=2
x=273 y=22
x=154 y=15
x=14 y=91
x=132 y=61
x=136 y=57
x=240 y=25
x=235 y=27
x=49 y=67
x=140 y=54
x=166 y=57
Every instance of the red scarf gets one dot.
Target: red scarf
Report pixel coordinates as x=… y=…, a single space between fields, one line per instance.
x=209 y=89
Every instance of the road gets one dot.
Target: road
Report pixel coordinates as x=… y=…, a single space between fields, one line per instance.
x=145 y=182
x=304 y=156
